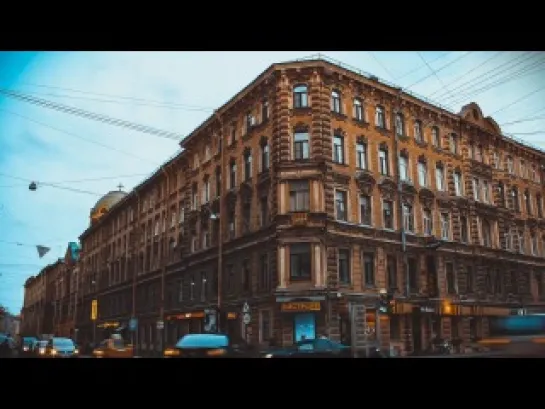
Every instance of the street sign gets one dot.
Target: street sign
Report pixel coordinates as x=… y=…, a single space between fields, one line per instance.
x=94 y=310
x=245 y=308
x=160 y=324
x=246 y=318
x=133 y=324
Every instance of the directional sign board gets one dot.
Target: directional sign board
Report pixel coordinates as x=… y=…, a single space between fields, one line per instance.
x=160 y=324
x=246 y=318
x=245 y=308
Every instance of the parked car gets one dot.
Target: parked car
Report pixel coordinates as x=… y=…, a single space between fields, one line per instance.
x=311 y=348
x=60 y=348
x=39 y=349
x=27 y=347
x=209 y=346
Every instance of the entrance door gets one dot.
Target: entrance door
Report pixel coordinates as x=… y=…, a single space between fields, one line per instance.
x=304 y=326
x=416 y=318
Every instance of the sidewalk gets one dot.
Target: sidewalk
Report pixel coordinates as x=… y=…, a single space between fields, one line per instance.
x=488 y=354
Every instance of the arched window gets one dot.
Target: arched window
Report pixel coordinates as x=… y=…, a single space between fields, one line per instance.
x=300 y=96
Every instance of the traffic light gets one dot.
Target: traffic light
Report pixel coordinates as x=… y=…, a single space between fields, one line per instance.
x=386 y=302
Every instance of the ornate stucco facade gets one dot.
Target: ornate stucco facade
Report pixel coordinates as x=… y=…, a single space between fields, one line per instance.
x=305 y=179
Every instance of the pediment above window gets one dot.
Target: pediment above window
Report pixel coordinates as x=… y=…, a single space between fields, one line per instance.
x=361 y=140
x=366 y=181
x=427 y=197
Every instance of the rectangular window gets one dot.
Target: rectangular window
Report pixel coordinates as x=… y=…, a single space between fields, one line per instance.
x=428 y=222
x=445 y=226
x=300 y=261
x=476 y=192
x=365 y=210
x=361 y=156
x=408 y=218
x=301 y=146
x=440 y=178
x=369 y=268
x=412 y=266
x=340 y=205
x=387 y=214
x=338 y=149
x=344 y=266
x=422 y=174
x=470 y=280
x=404 y=168
x=264 y=211
x=299 y=196
x=457 y=184
x=464 y=236
x=383 y=162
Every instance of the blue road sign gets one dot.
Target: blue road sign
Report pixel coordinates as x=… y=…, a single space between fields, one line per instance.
x=133 y=324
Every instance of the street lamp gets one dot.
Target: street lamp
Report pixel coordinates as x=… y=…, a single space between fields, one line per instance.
x=32 y=186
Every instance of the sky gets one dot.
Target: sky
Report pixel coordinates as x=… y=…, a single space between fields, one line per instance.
x=175 y=92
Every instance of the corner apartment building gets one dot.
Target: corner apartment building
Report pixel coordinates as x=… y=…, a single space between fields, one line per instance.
x=305 y=195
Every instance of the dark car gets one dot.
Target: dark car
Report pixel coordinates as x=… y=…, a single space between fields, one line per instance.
x=28 y=345
x=312 y=348
x=209 y=346
x=39 y=349
x=60 y=348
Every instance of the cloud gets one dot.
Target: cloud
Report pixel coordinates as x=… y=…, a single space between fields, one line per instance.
x=189 y=82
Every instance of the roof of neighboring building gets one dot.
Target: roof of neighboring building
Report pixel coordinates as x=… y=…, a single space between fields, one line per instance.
x=74 y=250
x=108 y=200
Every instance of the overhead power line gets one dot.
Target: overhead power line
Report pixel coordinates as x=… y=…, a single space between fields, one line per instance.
x=422 y=66
x=53 y=185
x=525 y=96
x=91 y=115
x=103 y=145
x=124 y=97
x=434 y=73
x=438 y=70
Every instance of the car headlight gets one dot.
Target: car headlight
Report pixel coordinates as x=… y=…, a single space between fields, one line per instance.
x=53 y=352
x=268 y=356
x=76 y=351
x=42 y=351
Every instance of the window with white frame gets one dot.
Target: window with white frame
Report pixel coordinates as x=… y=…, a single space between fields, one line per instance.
x=248 y=165
x=509 y=165
x=300 y=96
x=365 y=210
x=301 y=148
x=408 y=224
x=439 y=177
x=422 y=174
x=157 y=228
x=264 y=156
x=206 y=191
x=388 y=214
x=338 y=148
x=534 y=244
x=486 y=190
x=445 y=226
x=383 y=162
x=340 y=205
x=404 y=168
x=358 y=110
x=476 y=191
x=418 y=131
x=299 y=195
x=380 y=117
x=232 y=174
x=361 y=155
x=486 y=232
x=399 y=124
x=435 y=140
x=458 y=184
x=427 y=222
x=453 y=143
x=336 y=101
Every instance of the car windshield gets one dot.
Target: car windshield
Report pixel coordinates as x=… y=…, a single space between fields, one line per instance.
x=203 y=341
x=318 y=344
x=63 y=343
x=29 y=340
